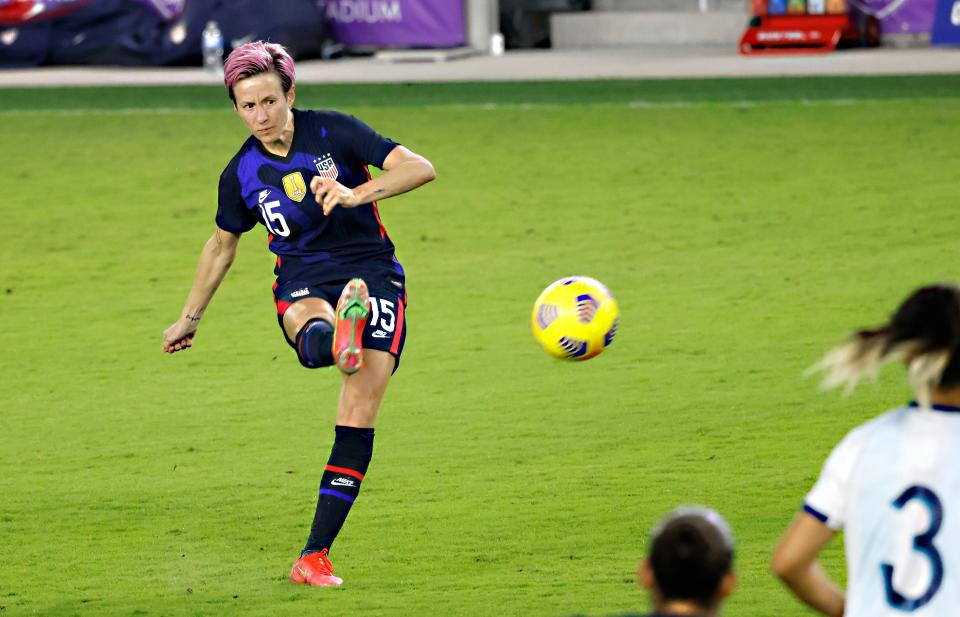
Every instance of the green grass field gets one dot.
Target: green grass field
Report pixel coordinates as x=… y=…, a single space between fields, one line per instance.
x=744 y=226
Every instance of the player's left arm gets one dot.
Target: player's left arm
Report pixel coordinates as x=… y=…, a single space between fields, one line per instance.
x=795 y=563
x=403 y=170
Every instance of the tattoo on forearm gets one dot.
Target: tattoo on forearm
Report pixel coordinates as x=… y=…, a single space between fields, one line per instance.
x=194 y=318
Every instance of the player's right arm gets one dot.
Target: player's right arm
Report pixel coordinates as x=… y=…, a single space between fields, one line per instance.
x=795 y=563
x=824 y=514
x=215 y=260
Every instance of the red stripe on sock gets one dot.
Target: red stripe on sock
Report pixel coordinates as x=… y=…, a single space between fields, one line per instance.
x=398 y=331
x=344 y=470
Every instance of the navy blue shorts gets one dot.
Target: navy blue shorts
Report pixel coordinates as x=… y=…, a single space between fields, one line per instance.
x=386 y=328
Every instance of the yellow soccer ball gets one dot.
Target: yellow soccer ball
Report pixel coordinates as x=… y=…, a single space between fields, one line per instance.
x=575 y=318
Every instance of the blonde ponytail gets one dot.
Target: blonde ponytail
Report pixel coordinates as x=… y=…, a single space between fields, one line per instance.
x=923 y=334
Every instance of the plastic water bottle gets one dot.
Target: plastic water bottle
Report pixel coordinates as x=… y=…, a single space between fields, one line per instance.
x=213 y=49
x=497 y=44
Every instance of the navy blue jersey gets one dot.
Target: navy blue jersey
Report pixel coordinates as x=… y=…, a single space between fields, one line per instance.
x=260 y=187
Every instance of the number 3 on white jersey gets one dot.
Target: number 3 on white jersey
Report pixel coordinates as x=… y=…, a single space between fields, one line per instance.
x=270 y=217
x=922 y=543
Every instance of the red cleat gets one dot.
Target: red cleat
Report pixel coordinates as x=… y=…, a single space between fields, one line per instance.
x=352 y=312
x=316 y=570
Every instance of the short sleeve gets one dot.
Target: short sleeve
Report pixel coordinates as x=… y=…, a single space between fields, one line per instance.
x=828 y=499
x=232 y=213
x=367 y=144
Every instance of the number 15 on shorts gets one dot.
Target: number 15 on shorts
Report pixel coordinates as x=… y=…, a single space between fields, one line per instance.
x=382 y=317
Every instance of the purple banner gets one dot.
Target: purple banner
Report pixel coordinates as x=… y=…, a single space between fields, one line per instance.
x=899 y=16
x=396 y=23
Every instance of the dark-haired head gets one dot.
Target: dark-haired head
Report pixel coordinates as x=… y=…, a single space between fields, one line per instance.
x=924 y=333
x=690 y=560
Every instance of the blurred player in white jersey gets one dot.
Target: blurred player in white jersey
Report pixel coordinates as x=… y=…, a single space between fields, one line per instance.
x=892 y=484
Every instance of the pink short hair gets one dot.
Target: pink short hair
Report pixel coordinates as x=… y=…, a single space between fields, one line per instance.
x=255 y=58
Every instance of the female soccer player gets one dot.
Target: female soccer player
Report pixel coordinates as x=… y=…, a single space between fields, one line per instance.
x=893 y=483
x=331 y=249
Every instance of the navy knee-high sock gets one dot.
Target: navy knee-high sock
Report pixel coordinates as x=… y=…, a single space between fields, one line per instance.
x=352 y=450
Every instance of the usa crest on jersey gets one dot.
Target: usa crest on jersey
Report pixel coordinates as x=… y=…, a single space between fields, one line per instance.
x=326 y=168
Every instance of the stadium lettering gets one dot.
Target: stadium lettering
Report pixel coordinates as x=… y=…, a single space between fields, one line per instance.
x=365 y=11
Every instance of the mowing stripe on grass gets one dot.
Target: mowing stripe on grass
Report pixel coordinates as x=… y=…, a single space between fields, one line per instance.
x=542 y=92
x=640 y=104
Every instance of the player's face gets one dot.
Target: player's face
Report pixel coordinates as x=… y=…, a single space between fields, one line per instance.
x=263 y=106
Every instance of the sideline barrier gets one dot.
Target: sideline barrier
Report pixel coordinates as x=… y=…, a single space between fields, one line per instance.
x=795 y=26
x=773 y=34
x=807 y=27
